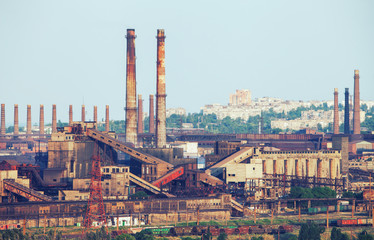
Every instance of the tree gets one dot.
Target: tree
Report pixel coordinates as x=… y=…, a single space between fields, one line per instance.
x=310 y=231
x=365 y=236
x=145 y=234
x=222 y=236
x=336 y=234
x=125 y=236
x=207 y=235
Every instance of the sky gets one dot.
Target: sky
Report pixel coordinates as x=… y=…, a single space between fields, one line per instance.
x=74 y=52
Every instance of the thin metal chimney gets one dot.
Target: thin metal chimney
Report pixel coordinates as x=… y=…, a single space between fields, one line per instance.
x=336 y=111
x=107 y=128
x=95 y=116
x=28 y=124
x=2 y=131
x=70 y=115
x=140 y=114
x=54 y=119
x=151 y=115
x=83 y=113
x=41 y=120
x=16 y=125
x=346 y=113
x=356 y=104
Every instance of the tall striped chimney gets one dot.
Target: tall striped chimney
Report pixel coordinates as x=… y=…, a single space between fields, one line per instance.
x=151 y=115
x=356 y=104
x=83 y=113
x=41 y=120
x=346 y=112
x=28 y=123
x=336 y=111
x=70 y=115
x=2 y=131
x=107 y=129
x=161 y=92
x=131 y=122
x=16 y=125
x=54 y=119
x=140 y=114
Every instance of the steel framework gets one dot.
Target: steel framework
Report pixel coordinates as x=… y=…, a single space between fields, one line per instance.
x=95 y=207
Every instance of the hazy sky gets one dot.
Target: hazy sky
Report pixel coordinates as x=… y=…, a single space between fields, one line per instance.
x=70 y=52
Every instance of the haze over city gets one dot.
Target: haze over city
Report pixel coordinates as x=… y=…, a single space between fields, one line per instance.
x=74 y=52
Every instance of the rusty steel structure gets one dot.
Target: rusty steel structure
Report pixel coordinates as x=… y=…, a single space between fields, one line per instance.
x=83 y=113
x=356 y=104
x=131 y=121
x=140 y=114
x=54 y=119
x=28 y=123
x=161 y=92
x=95 y=207
x=2 y=131
x=346 y=112
x=41 y=120
x=107 y=129
x=95 y=116
x=16 y=125
x=70 y=115
x=336 y=111
x=151 y=114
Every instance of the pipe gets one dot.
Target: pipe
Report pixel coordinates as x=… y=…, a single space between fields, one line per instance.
x=336 y=112
x=41 y=120
x=95 y=116
x=140 y=114
x=28 y=123
x=70 y=115
x=54 y=119
x=107 y=128
x=2 y=131
x=16 y=125
x=346 y=112
x=356 y=104
x=151 y=115
x=83 y=113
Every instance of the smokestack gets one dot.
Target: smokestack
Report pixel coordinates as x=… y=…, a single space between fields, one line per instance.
x=28 y=124
x=161 y=93
x=131 y=125
x=83 y=113
x=336 y=111
x=54 y=121
x=107 y=118
x=151 y=115
x=356 y=104
x=2 y=131
x=41 y=120
x=16 y=126
x=70 y=115
x=346 y=112
x=140 y=114
x=95 y=116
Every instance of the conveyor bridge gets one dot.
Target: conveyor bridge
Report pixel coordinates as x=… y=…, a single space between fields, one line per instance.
x=146 y=185
x=30 y=194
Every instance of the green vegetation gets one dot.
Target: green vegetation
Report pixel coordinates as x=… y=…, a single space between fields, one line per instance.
x=348 y=194
x=139 y=195
x=222 y=236
x=316 y=192
x=144 y=235
x=310 y=232
x=365 y=236
x=125 y=236
x=336 y=234
x=99 y=234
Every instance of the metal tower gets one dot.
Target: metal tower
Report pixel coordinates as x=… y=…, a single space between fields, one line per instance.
x=95 y=207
